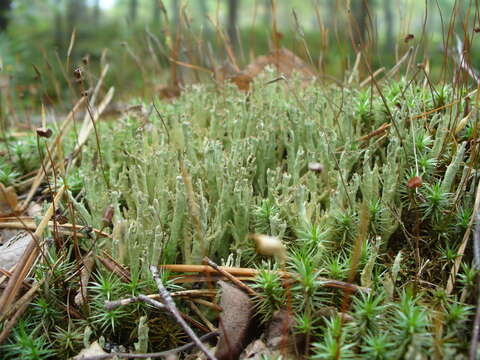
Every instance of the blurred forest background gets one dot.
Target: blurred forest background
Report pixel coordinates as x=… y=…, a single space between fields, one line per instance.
x=139 y=37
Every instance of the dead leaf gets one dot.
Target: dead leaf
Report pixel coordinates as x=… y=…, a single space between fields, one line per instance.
x=415 y=182
x=234 y=321
x=167 y=92
x=278 y=340
x=257 y=350
x=112 y=265
x=8 y=200
x=280 y=331
x=285 y=62
x=88 y=262
x=44 y=132
x=408 y=37
x=34 y=209
x=242 y=81
x=93 y=350
x=13 y=247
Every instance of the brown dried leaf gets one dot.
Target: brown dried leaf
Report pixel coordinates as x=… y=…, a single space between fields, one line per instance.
x=234 y=321
x=408 y=37
x=44 y=132
x=169 y=92
x=8 y=200
x=242 y=81
x=88 y=263
x=286 y=63
x=280 y=332
x=115 y=267
x=415 y=182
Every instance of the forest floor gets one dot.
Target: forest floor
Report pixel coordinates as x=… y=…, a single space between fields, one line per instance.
x=270 y=215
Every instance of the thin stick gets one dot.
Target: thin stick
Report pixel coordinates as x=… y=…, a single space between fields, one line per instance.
x=41 y=174
x=476 y=323
x=11 y=323
x=110 y=305
x=463 y=63
x=247 y=272
x=6 y=274
x=208 y=269
x=170 y=305
x=197 y=311
x=463 y=245
x=68 y=229
x=28 y=258
x=115 y=268
x=384 y=127
x=476 y=242
x=371 y=77
x=25 y=299
x=194 y=322
x=86 y=272
x=230 y=277
x=208 y=304
x=475 y=331
x=151 y=301
x=355 y=67
x=394 y=70
x=188 y=279
x=185 y=347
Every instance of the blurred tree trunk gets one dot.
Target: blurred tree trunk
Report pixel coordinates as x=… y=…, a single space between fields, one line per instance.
x=156 y=12
x=5 y=6
x=203 y=12
x=359 y=28
x=207 y=30
x=75 y=11
x=175 y=12
x=460 y=18
x=389 y=38
x=132 y=10
x=96 y=13
x=332 y=15
x=267 y=13
x=58 y=29
x=232 y=21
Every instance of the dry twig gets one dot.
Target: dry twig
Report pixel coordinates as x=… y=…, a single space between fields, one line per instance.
x=249 y=274
x=232 y=278
x=171 y=307
x=463 y=245
x=27 y=260
x=110 y=305
x=28 y=223
x=88 y=262
x=476 y=323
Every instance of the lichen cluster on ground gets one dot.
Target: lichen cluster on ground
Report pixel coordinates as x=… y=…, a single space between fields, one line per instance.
x=371 y=186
